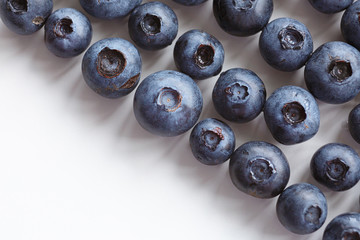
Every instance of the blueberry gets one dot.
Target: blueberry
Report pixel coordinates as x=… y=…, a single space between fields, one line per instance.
x=302 y=208
x=285 y=44
x=259 y=169
x=330 y=6
x=68 y=32
x=199 y=54
x=167 y=103
x=336 y=166
x=111 y=67
x=332 y=73
x=109 y=9
x=292 y=115
x=190 y=2
x=25 y=16
x=153 y=25
x=242 y=17
x=239 y=95
x=350 y=25
x=345 y=226
x=212 y=141
x=354 y=123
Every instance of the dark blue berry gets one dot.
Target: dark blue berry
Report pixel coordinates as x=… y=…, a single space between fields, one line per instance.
x=199 y=54
x=354 y=123
x=239 y=95
x=285 y=44
x=330 y=6
x=259 y=169
x=302 y=208
x=350 y=25
x=25 y=16
x=167 y=103
x=345 y=226
x=242 y=17
x=68 y=32
x=190 y=2
x=111 y=67
x=212 y=141
x=153 y=25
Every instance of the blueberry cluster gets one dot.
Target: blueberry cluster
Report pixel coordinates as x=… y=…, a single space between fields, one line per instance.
x=169 y=103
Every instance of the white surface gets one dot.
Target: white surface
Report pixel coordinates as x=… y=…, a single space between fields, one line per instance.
x=74 y=165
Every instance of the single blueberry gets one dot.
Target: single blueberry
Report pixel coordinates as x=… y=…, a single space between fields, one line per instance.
x=354 y=123
x=153 y=25
x=259 y=169
x=212 y=141
x=109 y=9
x=199 y=54
x=167 y=103
x=330 y=6
x=111 y=67
x=292 y=115
x=332 y=73
x=239 y=95
x=345 y=226
x=190 y=2
x=302 y=208
x=336 y=166
x=350 y=25
x=25 y=16
x=285 y=44
x=242 y=17
x=68 y=32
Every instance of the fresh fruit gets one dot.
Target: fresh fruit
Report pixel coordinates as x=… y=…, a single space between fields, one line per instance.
x=259 y=169
x=239 y=95
x=350 y=25
x=153 y=25
x=302 y=208
x=212 y=141
x=332 y=73
x=354 y=123
x=199 y=54
x=330 y=6
x=190 y=2
x=167 y=103
x=111 y=67
x=242 y=17
x=292 y=115
x=68 y=33
x=25 y=16
x=336 y=166
x=345 y=226
x=285 y=44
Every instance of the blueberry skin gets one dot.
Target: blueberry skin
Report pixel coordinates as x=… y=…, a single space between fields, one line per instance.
x=259 y=169
x=212 y=141
x=336 y=166
x=330 y=6
x=111 y=67
x=25 y=17
x=239 y=95
x=190 y=2
x=344 y=226
x=109 y=9
x=354 y=123
x=68 y=33
x=153 y=25
x=242 y=17
x=350 y=27
x=302 y=208
x=199 y=54
x=332 y=73
x=292 y=115
x=167 y=103
x=285 y=44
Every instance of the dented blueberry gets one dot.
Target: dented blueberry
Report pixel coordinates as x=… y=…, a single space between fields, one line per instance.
x=259 y=169
x=25 y=16
x=111 y=67
x=212 y=141
x=336 y=166
x=302 y=208
x=167 y=103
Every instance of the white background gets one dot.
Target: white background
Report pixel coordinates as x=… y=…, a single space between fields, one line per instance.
x=74 y=165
